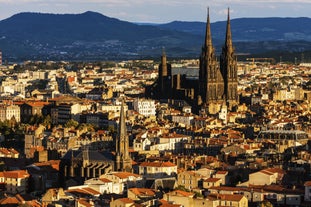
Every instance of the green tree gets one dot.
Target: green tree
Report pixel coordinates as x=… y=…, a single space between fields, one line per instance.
x=71 y=123
x=47 y=121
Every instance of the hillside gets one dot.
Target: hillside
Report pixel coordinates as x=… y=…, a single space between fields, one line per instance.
x=93 y=36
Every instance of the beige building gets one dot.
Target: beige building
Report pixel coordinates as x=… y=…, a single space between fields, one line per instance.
x=15 y=181
x=263 y=177
x=122 y=202
x=4 y=152
x=189 y=179
x=180 y=197
x=7 y=112
x=223 y=176
x=211 y=182
x=157 y=169
x=233 y=200
x=120 y=179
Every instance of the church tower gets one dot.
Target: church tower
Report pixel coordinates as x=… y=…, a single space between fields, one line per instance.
x=228 y=66
x=164 y=80
x=123 y=159
x=211 y=86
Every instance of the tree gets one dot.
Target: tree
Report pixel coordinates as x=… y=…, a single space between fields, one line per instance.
x=47 y=121
x=71 y=123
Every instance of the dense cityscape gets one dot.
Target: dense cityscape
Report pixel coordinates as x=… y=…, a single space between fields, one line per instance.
x=205 y=132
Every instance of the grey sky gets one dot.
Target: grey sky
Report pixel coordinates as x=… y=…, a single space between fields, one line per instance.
x=162 y=11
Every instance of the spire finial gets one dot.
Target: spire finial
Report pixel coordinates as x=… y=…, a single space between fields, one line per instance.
x=208 y=36
x=163 y=51
x=228 y=33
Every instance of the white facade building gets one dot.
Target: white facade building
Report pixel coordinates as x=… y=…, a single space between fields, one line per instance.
x=145 y=107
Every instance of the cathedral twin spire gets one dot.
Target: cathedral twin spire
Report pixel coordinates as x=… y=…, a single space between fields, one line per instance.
x=208 y=35
x=215 y=79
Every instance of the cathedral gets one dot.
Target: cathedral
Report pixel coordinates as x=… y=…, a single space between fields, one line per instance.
x=217 y=82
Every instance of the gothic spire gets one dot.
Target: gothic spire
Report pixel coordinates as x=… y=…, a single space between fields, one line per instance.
x=208 y=35
x=228 y=32
x=122 y=125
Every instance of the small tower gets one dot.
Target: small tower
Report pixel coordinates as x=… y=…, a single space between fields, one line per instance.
x=164 y=78
x=123 y=159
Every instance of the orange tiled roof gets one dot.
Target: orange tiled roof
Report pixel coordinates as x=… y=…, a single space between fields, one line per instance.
x=211 y=180
x=182 y=193
x=125 y=174
x=307 y=184
x=9 y=201
x=86 y=190
x=222 y=172
x=37 y=103
x=15 y=174
x=157 y=164
x=126 y=200
x=142 y=191
x=227 y=197
x=105 y=180
x=85 y=202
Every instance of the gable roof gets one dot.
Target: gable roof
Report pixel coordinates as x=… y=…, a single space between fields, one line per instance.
x=157 y=164
x=142 y=191
x=227 y=197
x=15 y=174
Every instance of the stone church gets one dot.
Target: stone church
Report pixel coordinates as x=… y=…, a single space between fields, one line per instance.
x=217 y=82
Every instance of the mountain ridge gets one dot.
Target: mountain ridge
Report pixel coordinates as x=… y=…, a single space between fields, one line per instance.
x=91 y=35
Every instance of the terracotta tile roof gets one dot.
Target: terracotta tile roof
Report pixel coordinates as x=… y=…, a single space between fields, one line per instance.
x=275 y=170
x=123 y=175
x=33 y=203
x=53 y=163
x=173 y=135
x=182 y=193
x=126 y=200
x=84 y=202
x=142 y=191
x=227 y=197
x=157 y=164
x=105 y=180
x=170 y=205
x=212 y=180
x=267 y=172
x=222 y=172
x=37 y=103
x=87 y=190
x=9 y=201
x=15 y=174
x=307 y=184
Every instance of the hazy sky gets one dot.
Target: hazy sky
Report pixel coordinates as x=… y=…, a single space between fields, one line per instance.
x=162 y=11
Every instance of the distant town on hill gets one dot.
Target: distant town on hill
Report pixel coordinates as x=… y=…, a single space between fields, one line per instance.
x=93 y=36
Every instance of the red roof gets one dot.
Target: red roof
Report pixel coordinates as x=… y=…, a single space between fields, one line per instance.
x=15 y=174
x=157 y=164
x=307 y=184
